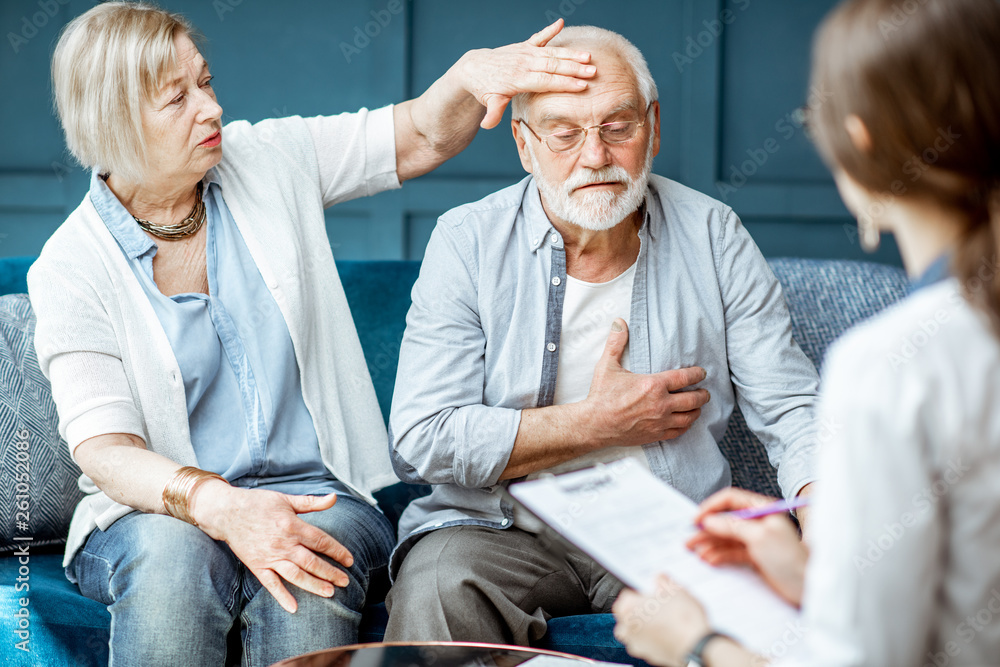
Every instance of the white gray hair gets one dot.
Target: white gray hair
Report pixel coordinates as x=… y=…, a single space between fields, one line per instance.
x=583 y=36
x=109 y=61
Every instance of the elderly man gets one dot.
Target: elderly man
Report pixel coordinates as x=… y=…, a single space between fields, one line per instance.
x=585 y=314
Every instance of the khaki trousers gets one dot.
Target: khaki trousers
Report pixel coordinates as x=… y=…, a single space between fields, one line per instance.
x=480 y=584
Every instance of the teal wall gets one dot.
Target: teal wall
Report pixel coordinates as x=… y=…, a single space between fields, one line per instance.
x=731 y=74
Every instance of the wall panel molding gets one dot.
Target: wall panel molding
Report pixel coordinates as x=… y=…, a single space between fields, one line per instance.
x=286 y=58
x=32 y=191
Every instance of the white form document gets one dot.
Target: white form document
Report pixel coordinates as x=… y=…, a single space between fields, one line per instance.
x=636 y=527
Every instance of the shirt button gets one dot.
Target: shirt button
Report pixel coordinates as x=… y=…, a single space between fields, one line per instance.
x=438 y=525
x=556 y=281
x=534 y=242
x=505 y=522
x=551 y=347
x=554 y=238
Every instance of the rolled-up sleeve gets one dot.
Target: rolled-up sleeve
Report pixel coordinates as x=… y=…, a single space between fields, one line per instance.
x=776 y=383
x=356 y=154
x=78 y=353
x=441 y=432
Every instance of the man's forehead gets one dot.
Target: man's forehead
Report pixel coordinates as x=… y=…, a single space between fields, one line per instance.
x=614 y=88
x=575 y=106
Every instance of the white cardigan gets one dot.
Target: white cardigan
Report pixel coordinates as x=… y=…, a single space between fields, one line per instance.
x=109 y=361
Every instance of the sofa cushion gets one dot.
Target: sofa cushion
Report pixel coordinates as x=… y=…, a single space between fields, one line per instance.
x=378 y=294
x=64 y=628
x=14 y=274
x=589 y=635
x=38 y=479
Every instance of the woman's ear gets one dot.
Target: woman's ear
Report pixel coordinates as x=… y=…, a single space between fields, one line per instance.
x=858 y=133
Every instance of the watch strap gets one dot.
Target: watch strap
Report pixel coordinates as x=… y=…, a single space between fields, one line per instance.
x=695 y=657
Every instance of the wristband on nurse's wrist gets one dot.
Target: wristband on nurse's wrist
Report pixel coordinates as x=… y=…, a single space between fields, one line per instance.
x=695 y=657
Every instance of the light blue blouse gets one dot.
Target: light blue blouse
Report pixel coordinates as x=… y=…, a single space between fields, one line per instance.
x=248 y=420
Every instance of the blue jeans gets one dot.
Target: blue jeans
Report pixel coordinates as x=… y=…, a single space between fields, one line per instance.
x=174 y=592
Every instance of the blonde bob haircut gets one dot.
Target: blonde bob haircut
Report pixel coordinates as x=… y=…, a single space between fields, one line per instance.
x=108 y=62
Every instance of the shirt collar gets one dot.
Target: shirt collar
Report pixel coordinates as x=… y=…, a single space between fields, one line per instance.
x=133 y=241
x=539 y=225
x=940 y=269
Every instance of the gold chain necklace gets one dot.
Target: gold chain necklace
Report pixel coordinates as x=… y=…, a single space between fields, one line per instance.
x=186 y=227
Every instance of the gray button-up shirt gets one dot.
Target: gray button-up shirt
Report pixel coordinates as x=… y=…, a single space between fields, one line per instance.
x=482 y=343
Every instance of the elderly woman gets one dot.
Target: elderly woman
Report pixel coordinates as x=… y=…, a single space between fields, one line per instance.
x=208 y=376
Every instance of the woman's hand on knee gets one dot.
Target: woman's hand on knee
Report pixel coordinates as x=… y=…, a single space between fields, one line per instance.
x=265 y=532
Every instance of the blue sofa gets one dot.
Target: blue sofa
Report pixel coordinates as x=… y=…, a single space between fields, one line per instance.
x=64 y=628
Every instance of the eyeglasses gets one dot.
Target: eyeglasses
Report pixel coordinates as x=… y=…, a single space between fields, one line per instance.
x=611 y=133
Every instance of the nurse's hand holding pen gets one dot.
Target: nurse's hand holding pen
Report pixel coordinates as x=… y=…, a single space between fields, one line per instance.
x=770 y=544
x=664 y=628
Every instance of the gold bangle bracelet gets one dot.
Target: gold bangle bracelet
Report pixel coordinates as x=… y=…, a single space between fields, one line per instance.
x=179 y=489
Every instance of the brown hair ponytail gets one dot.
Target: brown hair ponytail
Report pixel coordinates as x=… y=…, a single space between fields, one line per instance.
x=924 y=78
x=976 y=262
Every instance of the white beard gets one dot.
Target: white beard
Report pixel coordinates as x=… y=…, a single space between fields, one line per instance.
x=599 y=210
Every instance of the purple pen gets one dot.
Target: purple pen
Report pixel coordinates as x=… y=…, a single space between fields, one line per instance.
x=773 y=508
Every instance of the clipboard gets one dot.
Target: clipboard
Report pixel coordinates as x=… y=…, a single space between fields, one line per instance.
x=635 y=527
x=551 y=540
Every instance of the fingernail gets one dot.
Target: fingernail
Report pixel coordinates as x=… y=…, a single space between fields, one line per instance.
x=581 y=84
x=589 y=69
x=615 y=327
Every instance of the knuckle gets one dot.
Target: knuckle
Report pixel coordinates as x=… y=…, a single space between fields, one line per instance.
x=309 y=561
x=321 y=542
x=674 y=421
x=647 y=385
x=285 y=569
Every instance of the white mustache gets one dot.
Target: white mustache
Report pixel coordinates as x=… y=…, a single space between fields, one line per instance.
x=609 y=174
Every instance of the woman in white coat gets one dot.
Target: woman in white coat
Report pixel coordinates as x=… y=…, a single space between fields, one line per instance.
x=905 y=529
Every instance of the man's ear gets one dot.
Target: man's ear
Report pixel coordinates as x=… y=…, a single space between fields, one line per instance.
x=656 y=129
x=519 y=138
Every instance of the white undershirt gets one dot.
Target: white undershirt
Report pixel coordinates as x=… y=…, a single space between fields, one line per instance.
x=588 y=311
